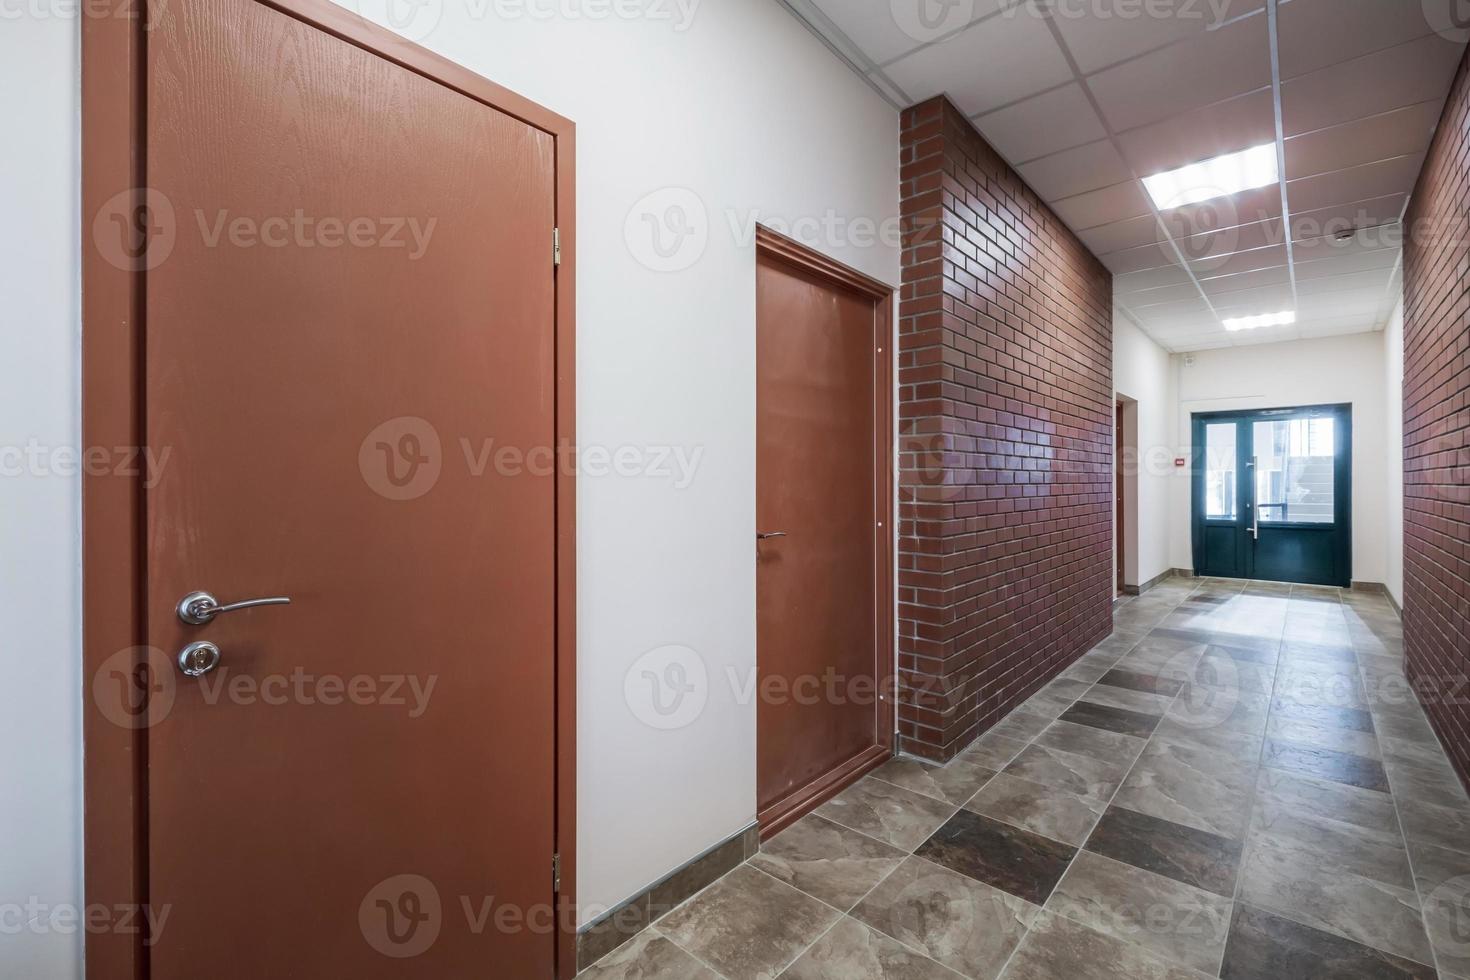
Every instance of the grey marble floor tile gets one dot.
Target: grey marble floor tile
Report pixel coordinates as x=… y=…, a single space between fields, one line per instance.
x=1134 y=723
x=1059 y=949
x=954 y=782
x=1291 y=883
x=1310 y=733
x=1205 y=707
x=1264 y=946
x=827 y=861
x=1334 y=654
x=1049 y=705
x=1340 y=767
x=748 y=925
x=1443 y=826
x=1227 y=673
x=852 y=951
x=1096 y=743
x=1372 y=854
x=1146 y=683
x=890 y=813
x=1408 y=726
x=1066 y=687
x=1016 y=861
x=1312 y=683
x=1128 y=700
x=1242 y=746
x=1279 y=791
x=1021 y=725
x=991 y=751
x=1082 y=775
x=1418 y=753
x=1086 y=673
x=1354 y=719
x=1175 y=920
x=1046 y=810
x=1185 y=854
x=964 y=924
x=1186 y=785
x=1427 y=784
x=648 y=956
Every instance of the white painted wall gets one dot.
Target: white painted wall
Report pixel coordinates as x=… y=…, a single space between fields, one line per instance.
x=1306 y=372
x=1141 y=374
x=1393 y=424
x=40 y=636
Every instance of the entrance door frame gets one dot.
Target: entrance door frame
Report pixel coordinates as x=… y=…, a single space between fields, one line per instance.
x=786 y=811
x=114 y=517
x=1246 y=484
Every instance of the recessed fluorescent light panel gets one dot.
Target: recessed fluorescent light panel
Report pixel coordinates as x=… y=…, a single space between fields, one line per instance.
x=1229 y=174
x=1284 y=319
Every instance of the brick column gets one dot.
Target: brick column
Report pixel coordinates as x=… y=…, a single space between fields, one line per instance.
x=1005 y=439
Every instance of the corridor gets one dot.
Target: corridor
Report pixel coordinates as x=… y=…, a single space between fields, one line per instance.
x=1237 y=783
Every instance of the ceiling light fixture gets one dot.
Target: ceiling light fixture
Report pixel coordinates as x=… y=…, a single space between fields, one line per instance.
x=1228 y=174
x=1283 y=319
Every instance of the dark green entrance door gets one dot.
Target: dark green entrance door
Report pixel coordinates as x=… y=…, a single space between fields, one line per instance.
x=1273 y=495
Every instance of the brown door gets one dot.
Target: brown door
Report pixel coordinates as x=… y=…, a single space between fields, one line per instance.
x=1120 y=528
x=822 y=474
x=359 y=296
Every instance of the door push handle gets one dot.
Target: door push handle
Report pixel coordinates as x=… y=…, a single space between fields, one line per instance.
x=198 y=608
x=769 y=534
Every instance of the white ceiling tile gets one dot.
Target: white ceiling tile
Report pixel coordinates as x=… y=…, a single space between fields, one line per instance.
x=885 y=29
x=1185 y=76
x=1256 y=258
x=1419 y=71
x=1388 y=238
x=1343 y=218
x=1317 y=33
x=1204 y=341
x=1390 y=134
x=1275 y=275
x=1374 y=280
x=1153 y=297
x=1383 y=260
x=1101 y=207
x=1149 y=257
x=1017 y=134
x=1167 y=274
x=1225 y=241
x=1269 y=335
x=1337 y=326
x=1225 y=127
x=1106 y=32
x=1003 y=59
x=1364 y=183
x=1076 y=171
x=1121 y=235
x=1216 y=216
x=1250 y=302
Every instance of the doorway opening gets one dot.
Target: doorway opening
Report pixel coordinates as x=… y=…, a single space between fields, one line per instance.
x=1272 y=495
x=1125 y=502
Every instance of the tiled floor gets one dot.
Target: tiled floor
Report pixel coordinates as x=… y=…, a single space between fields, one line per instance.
x=1237 y=783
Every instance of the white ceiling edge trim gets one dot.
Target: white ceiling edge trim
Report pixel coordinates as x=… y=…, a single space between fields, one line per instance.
x=842 y=46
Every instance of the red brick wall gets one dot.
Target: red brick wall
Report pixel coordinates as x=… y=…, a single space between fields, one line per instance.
x=1006 y=446
x=1437 y=430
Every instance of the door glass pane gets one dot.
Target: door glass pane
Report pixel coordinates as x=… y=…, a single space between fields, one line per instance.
x=1220 y=482
x=1295 y=461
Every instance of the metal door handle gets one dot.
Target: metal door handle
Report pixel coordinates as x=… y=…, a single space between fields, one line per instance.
x=769 y=534
x=198 y=659
x=198 y=608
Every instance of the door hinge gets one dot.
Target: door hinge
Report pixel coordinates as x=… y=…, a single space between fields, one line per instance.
x=556 y=873
x=556 y=246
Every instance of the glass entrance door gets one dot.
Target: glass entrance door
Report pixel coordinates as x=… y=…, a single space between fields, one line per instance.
x=1272 y=495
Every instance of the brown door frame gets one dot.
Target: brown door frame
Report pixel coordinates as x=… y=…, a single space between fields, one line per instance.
x=114 y=162
x=771 y=245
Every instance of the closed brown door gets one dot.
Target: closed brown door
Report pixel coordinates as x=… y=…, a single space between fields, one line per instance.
x=359 y=297
x=822 y=489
